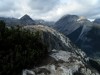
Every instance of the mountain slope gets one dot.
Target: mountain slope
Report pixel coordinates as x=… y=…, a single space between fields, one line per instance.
x=94 y=36
x=70 y=23
x=97 y=21
x=86 y=36
x=76 y=28
x=64 y=57
x=67 y=24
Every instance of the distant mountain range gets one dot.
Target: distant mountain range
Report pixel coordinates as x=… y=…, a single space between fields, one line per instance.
x=24 y=20
x=42 y=22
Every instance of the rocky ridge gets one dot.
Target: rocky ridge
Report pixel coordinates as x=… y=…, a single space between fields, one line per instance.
x=64 y=57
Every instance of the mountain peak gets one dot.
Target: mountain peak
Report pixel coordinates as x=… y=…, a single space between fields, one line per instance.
x=27 y=20
x=25 y=17
x=70 y=17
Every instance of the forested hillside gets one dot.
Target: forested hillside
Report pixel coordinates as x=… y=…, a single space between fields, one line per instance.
x=19 y=49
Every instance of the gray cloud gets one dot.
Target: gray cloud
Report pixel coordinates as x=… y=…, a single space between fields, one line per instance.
x=43 y=6
x=6 y=5
x=50 y=9
x=88 y=8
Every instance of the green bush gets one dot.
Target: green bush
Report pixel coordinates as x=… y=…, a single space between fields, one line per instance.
x=19 y=49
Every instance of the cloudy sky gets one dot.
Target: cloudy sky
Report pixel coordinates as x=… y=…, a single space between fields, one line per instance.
x=50 y=9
